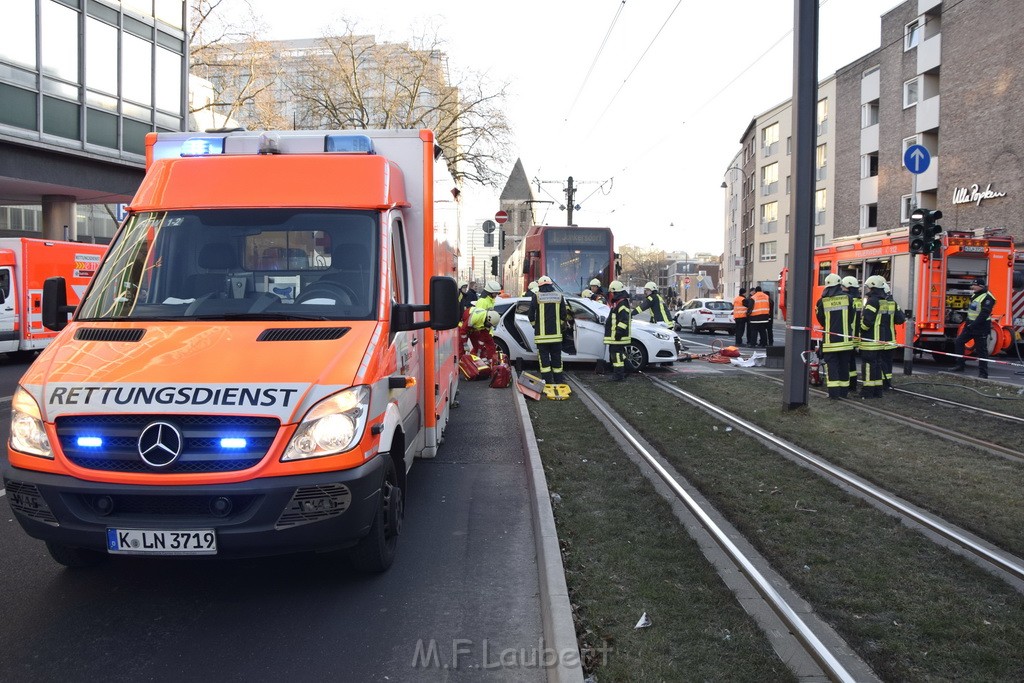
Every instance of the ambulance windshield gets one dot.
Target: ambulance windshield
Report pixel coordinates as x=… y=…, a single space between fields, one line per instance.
x=240 y=264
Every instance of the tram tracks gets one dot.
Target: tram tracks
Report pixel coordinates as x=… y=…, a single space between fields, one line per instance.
x=635 y=404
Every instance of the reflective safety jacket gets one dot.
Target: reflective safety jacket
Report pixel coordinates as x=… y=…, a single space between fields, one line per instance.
x=979 y=312
x=834 y=311
x=739 y=307
x=478 y=313
x=548 y=313
x=656 y=305
x=762 y=306
x=878 y=321
x=858 y=308
x=617 y=327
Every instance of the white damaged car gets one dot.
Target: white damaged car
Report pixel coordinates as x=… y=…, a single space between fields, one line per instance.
x=651 y=344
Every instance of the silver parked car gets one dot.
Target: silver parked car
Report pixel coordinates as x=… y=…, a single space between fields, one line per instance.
x=706 y=315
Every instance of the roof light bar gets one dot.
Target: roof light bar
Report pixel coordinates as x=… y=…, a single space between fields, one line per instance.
x=352 y=144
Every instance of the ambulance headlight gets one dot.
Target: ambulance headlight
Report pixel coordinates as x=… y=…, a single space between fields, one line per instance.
x=27 y=432
x=332 y=426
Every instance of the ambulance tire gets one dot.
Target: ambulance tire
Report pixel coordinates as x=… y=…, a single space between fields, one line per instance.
x=375 y=552
x=74 y=558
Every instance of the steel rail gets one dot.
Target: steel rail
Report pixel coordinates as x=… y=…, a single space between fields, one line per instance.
x=985 y=411
x=1009 y=564
x=818 y=651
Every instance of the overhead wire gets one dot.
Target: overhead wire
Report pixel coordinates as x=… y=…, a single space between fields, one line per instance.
x=600 y=51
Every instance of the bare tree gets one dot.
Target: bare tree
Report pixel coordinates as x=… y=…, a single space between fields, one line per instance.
x=642 y=264
x=356 y=82
x=225 y=49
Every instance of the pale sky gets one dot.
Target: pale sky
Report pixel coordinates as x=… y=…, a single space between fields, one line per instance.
x=659 y=118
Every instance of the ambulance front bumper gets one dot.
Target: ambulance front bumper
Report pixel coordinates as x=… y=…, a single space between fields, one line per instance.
x=270 y=516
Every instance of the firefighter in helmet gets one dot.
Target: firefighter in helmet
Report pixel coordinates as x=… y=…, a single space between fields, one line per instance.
x=897 y=317
x=877 y=327
x=481 y=324
x=655 y=304
x=549 y=315
x=617 y=329
x=833 y=311
x=597 y=292
x=853 y=289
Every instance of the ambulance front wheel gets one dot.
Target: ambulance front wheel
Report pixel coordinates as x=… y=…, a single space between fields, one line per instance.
x=376 y=551
x=74 y=558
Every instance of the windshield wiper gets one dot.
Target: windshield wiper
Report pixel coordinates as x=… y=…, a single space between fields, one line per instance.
x=256 y=316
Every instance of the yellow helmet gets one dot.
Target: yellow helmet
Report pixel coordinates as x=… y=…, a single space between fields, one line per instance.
x=492 y=318
x=616 y=286
x=533 y=287
x=587 y=294
x=831 y=280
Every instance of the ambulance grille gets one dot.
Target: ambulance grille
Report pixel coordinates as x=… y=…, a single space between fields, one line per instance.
x=108 y=335
x=303 y=334
x=201 y=451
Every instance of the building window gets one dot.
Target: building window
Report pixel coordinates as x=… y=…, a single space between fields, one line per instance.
x=822 y=162
x=789 y=184
x=788 y=223
x=767 y=251
x=822 y=117
x=869 y=165
x=60 y=41
x=869 y=217
x=869 y=114
x=819 y=240
x=910 y=93
x=912 y=34
x=820 y=206
x=770 y=140
x=769 y=217
x=906 y=207
x=770 y=179
x=18 y=33
x=907 y=144
x=789 y=145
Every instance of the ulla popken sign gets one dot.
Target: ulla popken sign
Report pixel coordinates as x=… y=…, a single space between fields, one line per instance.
x=974 y=194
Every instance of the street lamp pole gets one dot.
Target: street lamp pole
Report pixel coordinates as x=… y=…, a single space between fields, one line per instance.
x=741 y=269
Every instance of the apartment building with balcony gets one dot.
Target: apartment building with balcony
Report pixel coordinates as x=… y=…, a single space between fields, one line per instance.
x=947 y=76
x=759 y=187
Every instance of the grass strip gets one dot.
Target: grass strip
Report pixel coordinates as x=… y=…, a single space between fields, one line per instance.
x=625 y=553
x=913 y=610
x=971 y=488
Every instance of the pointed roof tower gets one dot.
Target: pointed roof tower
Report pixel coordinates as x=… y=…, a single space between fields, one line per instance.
x=517 y=188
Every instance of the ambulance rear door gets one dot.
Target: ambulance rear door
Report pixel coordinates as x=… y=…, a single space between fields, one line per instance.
x=9 y=337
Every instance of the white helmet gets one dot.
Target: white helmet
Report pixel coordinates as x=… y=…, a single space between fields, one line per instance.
x=595 y=282
x=887 y=289
x=544 y=280
x=492 y=318
x=651 y=286
x=616 y=286
x=492 y=287
x=587 y=294
x=533 y=286
x=875 y=282
x=831 y=280
x=850 y=281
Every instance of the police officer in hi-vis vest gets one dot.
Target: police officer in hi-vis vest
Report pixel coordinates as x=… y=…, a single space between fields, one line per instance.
x=979 y=323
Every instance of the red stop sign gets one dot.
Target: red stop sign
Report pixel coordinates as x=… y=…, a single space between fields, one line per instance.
x=501 y=217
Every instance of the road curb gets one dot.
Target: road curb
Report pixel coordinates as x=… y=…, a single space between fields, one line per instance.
x=559 y=630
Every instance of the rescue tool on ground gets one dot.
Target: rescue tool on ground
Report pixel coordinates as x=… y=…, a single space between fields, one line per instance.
x=251 y=371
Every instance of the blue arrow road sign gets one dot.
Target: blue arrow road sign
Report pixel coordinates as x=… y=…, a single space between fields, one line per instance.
x=917 y=159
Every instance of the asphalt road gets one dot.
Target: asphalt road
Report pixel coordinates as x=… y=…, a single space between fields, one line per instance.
x=460 y=602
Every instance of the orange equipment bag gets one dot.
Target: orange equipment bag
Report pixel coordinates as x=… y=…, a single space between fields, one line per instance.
x=730 y=352
x=501 y=373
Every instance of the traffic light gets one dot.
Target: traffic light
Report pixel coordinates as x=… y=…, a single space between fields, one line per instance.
x=924 y=232
x=502 y=230
x=494 y=265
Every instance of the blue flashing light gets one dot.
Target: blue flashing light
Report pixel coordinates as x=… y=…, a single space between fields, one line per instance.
x=358 y=144
x=89 y=442
x=196 y=147
x=233 y=443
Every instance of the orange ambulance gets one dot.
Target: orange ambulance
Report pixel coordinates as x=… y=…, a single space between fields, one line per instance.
x=267 y=345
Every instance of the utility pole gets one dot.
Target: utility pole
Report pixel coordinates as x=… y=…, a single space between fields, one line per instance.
x=570 y=200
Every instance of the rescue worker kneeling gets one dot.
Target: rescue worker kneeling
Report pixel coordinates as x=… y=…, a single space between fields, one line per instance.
x=548 y=313
x=834 y=311
x=617 y=329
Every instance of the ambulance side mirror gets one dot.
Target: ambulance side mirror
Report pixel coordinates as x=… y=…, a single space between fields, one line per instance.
x=443 y=308
x=55 y=304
